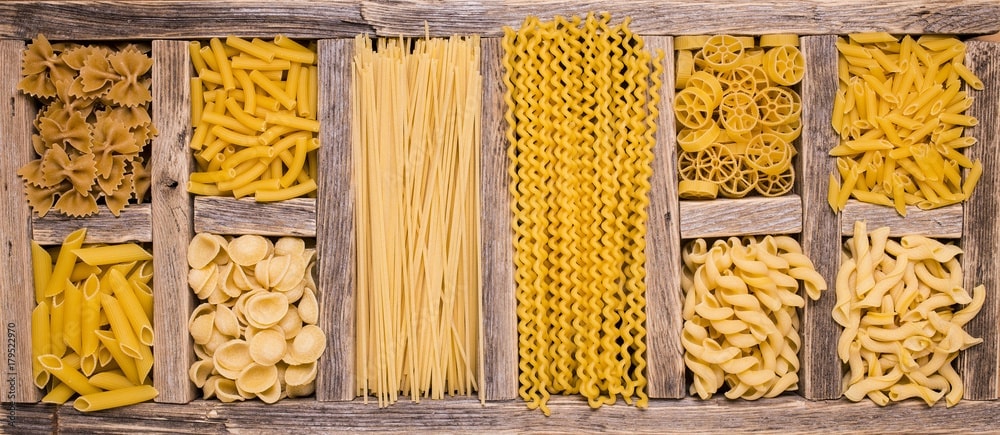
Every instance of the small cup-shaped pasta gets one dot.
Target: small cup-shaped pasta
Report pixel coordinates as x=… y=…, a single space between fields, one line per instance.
x=294 y=391
x=300 y=374
x=249 y=249
x=204 y=281
x=293 y=275
x=226 y=321
x=307 y=346
x=291 y=324
x=232 y=357
x=202 y=250
x=223 y=389
x=200 y=372
x=295 y=293
x=309 y=307
x=289 y=246
x=256 y=378
x=267 y=347
x=277 y=268
x=273 y=394
x=265 y=309
x=201 y=327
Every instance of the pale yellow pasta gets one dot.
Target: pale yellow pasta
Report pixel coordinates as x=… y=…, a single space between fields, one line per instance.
x=112 y=254
x=121 y=327
x=58 y=395
x=64 y=262
x=115 y=398
x=67 y=375
x=110 y=380
x=41 y=269
x=141 y=325
x=40 y=343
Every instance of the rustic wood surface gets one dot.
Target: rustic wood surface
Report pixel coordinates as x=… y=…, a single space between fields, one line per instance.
x=745 y=216
x=570 y=415
x=172 y=221
x=28 y=418
x=820 y=371
x=981 y=233
x=134 y=224
x=168 y=19
x=335 y=222
x=664 y=354
x=15 y=220
x=497 y=257
x=221 y=215
x=944 y=222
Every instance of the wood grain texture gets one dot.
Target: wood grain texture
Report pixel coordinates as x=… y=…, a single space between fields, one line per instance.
x=787 y=414
x=221 y=215
x=675 y=17
x=499 y=300
x=745 y=216
x=187 y=19
x=335 y=222
x=172 y=221
x=820 y=239
x=981 y=233
x=664 y=354
x=16 y=114
x=28 y=418
x=944 y=222
x=133 y=225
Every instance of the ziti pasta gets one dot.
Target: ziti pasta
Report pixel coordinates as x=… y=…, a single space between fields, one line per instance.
x=92 y=129
x=903 y=305
x=582 y=99
x=91 y=332
x=253 y=108
x=900 y=111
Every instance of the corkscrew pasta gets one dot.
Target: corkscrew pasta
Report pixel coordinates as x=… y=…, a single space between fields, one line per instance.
x=91 y=332
x=902 y=304
x=582 y=99
x=740 y=319
x=900 y=111
x=738 y=116
x=92 y=129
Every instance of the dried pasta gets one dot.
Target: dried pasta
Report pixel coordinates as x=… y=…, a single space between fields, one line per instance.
x=582 y=99
x=740 y=318
x=899 y=111
x=903 y=305
x=248 y=332
x=416 y=119
x=254 y=116
x=738 y=116
x=82 y=319
x=92 y=129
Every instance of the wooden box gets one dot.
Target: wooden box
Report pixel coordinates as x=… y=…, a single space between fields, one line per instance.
x=173 y=216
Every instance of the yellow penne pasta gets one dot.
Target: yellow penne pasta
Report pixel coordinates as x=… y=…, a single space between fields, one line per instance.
x=64 y=262
x=59 y=394
x=69 y=376
x=125 y=363
x=112 y=254
x=144 y=294
x=57 y=310
x=110 y=380
x=140 y=323
x=40 y=343
x=121 y=326
x=41 y=270
x=115 y=398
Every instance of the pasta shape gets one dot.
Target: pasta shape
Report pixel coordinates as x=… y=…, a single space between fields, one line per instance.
x=582 y=97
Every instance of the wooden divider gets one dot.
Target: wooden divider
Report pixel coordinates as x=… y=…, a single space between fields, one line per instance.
x=335 y=222
x=944 y=222
x=16 y=294
x=820 y=371
x=172 y=221
x=499 y=302
x=978 y=365
x=753 y=215
x=664 y=355
x=224 y=215
x=133 y=224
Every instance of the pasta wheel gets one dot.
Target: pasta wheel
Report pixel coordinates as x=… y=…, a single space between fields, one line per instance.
x=776 y=185
x=769 y=154
x=778 y=106
x=693 y=107
x=779 y=39
x=690 y=42
x=722 y=52
x=746 y=78
x=689 y=189
x=785 y=65
x=738 y=112
x=694 y=140
x=742 y=183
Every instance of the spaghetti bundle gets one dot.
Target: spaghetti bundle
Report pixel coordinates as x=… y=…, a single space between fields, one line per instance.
x=581 y=108
x=416 y=130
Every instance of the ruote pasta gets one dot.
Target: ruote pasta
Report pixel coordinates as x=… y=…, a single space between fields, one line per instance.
x=582 y=100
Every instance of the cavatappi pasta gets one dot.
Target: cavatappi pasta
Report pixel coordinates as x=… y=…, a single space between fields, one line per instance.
x=740 y=319
x=92 y=129
x=254 y=111
x=91 y=332
x=416 y=119
x=737 y=114
x=255 y=333
x=582 y=99
x=902 y=304
x=900 y=112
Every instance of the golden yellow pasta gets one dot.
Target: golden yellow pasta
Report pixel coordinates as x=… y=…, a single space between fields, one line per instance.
x=899 y=112
x=903 y=305
x=93 y=336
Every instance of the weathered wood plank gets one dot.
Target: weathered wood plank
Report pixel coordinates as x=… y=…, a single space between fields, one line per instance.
x=499 y=301
x=173 y=19
x=28 y=418
x=335 y=222
x=820 y=372
x=222 y=215
x=570 y=414
x=676 y=17
x=16 y=114
x=172 y=221
x=981 y=233
x=663 y=254
x=134 y=224
x=745 y=216
x=944 y=222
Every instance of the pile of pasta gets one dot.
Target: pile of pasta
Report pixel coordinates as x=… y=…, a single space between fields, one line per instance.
x=582 y=99
x=255 y=334
x=254 y=108
x=416 y=122
x=737 y=114
x=900 y=112
x=91 y=331
x=901 y=305
x=740 y=319
x=92 y=128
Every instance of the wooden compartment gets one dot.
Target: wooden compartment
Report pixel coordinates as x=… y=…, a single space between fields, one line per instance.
x=173 y=216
